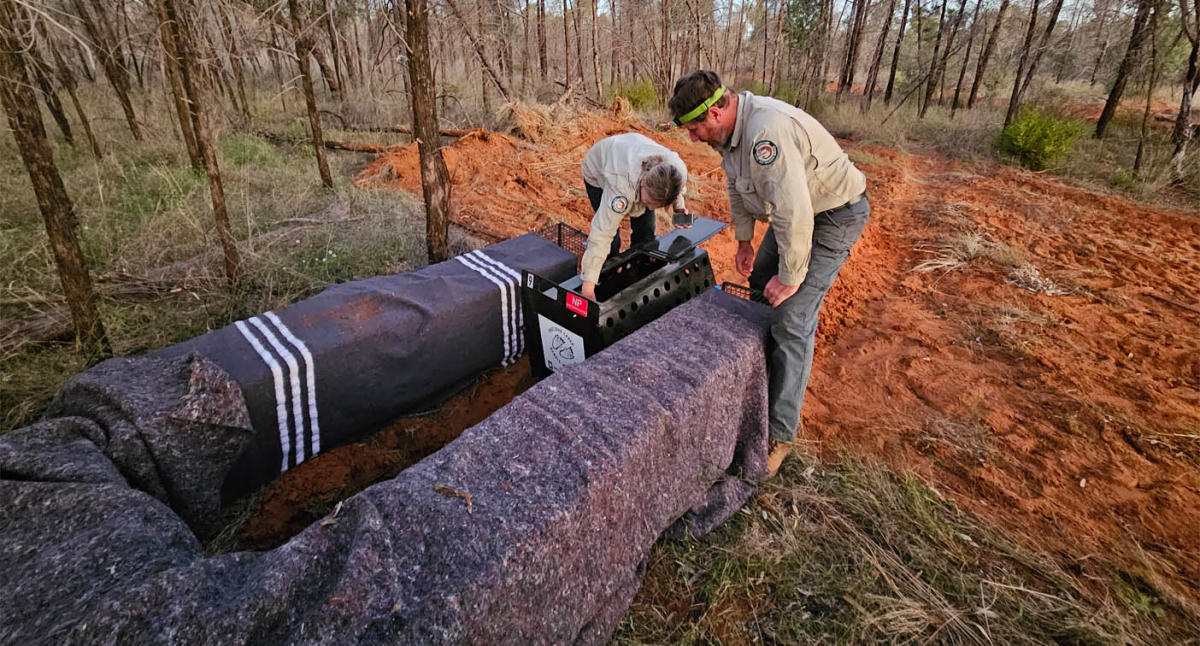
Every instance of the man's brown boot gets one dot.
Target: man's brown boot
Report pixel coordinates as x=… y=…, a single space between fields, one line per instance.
x=776 y=452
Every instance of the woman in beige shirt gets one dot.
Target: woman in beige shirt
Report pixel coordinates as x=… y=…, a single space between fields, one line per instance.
x=626 y=175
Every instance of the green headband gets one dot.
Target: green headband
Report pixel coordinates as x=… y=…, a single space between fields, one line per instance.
x=699 y=110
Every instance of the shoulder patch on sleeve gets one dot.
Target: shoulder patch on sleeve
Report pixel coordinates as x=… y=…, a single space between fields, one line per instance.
x=619 y=205
x=765 y=152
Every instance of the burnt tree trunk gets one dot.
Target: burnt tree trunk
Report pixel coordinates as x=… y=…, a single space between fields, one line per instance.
x=962 y=71
x=25 y=120
x=891 y=84
x=1041 y=49
x=434 y=177
x=181 y=33
x=304 y=48
x=1136 y=39
x=986 y=54
x=934 y=62
x=1014 y=99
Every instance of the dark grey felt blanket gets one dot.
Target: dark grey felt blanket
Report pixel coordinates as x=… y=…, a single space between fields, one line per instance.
x=532 y=528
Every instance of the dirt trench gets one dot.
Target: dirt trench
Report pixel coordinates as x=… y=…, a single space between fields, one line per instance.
x=1029 y=349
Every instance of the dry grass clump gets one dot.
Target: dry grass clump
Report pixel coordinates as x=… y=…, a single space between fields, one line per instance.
x=529 y=121
x=852 y=553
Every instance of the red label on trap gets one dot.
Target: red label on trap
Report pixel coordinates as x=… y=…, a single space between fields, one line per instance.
x=577 y=304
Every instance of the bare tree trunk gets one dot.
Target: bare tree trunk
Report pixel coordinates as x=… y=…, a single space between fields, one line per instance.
x=304 y=48
x=615 y=45
x=934 y=62
x=962 y=71
x=891 y=84
x=877 y=56
x=181 y=34
x=541 y=33
x=778 y=46
x=481 y=47
x=331 y=29
x=566 y=47
x=1041 y=48
x=25 y=120
x=948 y=51
x=1015 y=98
x=173 y=64
x=1137 y=159
x=84 y=63
x=1136 y=39
x=596 y=55
x=986 y=54
x=858 y=22
x=41 y=73
x=114 y=69
x=327 y=73
x=235 y=59
x=1183 y=133
x=434 y=177
x=737 y=51
x=68 y=81
x=578 y=44
x=479 y=52
x=277 y=65
x=724 y=56
x=1103 y=35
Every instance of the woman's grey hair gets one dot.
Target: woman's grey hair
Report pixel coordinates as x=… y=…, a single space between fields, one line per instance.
x=661 y=180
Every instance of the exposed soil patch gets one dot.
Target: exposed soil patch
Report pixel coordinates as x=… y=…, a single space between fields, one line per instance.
x=1042 y=367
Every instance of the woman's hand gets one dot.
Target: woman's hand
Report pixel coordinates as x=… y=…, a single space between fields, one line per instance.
x=589 y=290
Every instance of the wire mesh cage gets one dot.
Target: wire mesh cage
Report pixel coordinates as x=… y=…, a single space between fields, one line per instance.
x=567 y=237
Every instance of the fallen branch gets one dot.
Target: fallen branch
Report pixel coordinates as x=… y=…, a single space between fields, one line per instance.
x=407 y=130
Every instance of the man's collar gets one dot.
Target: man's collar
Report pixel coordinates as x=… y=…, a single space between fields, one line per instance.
x=740 y=123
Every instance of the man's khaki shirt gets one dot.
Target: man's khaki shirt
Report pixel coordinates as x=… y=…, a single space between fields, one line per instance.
x=782 y=166
x=614 y=165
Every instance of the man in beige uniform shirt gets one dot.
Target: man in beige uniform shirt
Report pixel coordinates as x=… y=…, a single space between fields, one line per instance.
x=626 y=176
x=781 y=167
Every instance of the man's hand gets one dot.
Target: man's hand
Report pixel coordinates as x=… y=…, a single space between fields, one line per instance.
x=589 y=290
x=776 y=292
x=745 y=257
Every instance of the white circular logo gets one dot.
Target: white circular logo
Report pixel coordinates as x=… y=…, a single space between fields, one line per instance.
x=619 y=204
x=765 y=152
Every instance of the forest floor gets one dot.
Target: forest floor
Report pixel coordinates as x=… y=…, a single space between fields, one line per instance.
x=1002 y=432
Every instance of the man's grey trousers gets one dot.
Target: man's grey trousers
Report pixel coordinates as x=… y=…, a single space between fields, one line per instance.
x=795 y=327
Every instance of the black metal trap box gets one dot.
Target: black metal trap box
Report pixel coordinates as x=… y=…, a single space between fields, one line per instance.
x=636 y=287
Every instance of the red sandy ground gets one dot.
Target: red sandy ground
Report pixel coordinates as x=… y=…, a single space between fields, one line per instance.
x=1070 y=419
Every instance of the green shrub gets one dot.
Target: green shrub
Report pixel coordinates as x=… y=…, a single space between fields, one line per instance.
x=1036 y=139
x=1125 y=180
x=641 y=93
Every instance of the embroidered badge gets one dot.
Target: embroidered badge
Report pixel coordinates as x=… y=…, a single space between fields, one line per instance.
x=765 y=152
x=619 y=204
